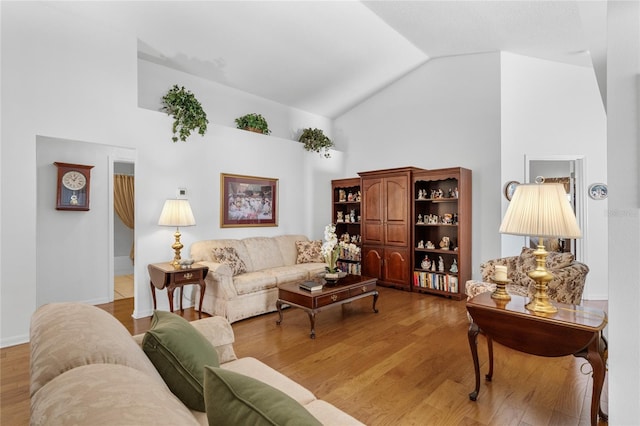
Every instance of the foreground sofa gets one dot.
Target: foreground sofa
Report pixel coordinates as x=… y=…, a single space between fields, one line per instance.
x=86 y=369
x=244 y=274
x=567 y=285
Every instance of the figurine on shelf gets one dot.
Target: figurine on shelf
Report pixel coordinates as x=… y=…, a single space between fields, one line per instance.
x=345 y=237
x=447 y=219
x=445 y=243
x=455 y=192
x=342 y=197
x=454 y=267
x=455 y=218
x=420 y=219
x=358 y=196
x=350 y=196
x=450 y=193
x=426 y=263
x=440 y=264
x=422 y=194
x=421 y=244
x=352 y=215
x=433 y=266
x=430 y=245
x=340 y=217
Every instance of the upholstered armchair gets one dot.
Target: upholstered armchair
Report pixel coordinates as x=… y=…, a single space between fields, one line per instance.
x=566 y=286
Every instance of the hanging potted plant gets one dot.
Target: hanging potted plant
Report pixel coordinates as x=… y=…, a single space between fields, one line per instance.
x=187 y=113
x=315 y=140
x=254 y=123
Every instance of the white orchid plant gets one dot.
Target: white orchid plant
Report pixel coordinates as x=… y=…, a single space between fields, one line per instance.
x=330 y=248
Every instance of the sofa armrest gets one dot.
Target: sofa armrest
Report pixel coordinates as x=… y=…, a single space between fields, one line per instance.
x=216 y=330
x=219 y=280
x=568 y=283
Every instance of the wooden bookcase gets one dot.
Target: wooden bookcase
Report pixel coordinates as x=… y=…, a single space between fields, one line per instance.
x=441 y=210
x=346 y=215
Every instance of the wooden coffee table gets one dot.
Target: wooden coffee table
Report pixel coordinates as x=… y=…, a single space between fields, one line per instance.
x=348 y=289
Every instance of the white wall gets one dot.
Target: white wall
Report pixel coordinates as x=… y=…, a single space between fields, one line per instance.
x=444 y=114
x=555 y=109
x=623 y=110
x=69 y=79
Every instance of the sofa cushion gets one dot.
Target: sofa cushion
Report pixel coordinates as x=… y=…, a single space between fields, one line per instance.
x=309 y=251
x=263 y=252
x=254 y=281
x=287 y=244
x=258 y=370
x=201 y=250
x=179 y=352
x=63 y=336
x=107 y=394
x=229 y=256
x=527 y=260
x=234 y=399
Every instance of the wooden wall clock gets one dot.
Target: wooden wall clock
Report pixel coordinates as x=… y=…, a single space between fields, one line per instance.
x=73 y=186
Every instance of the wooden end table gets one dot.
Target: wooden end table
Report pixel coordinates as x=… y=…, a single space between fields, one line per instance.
x=164 y=275
x=573 y=330
x=348 y=289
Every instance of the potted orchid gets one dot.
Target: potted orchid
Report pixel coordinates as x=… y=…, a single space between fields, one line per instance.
x=330 y=250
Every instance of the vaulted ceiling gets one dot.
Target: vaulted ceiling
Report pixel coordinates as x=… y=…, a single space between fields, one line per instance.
x=327 y=56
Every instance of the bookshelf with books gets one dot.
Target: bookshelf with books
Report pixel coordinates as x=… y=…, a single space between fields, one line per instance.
x=345 y=214
x=442 y=231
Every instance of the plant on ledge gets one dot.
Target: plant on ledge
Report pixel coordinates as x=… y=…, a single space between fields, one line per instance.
x=316 y=140
x=254 y=123
x=187 y=113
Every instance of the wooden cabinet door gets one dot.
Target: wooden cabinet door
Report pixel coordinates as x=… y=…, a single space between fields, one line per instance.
x=397 y=267
x=396 y=210
x=372 y=261
x=372 y=211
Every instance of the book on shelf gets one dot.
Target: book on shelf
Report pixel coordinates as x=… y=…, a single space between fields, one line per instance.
x=311 y=286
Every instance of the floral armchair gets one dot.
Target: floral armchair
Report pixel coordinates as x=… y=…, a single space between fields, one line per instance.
x=566 y=286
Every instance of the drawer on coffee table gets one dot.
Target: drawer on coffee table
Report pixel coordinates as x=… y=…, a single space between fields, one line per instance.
x=329 y=299
x=364 y=288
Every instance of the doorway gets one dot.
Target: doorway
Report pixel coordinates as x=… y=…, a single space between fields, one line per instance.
x=123 y=230
x=567 y=170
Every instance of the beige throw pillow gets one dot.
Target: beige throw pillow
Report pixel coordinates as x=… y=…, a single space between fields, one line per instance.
x=309 y=251
x=229 y=256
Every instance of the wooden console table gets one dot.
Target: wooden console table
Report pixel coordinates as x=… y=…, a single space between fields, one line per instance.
x=163 y=275
x=573 y=330
x=348 y=289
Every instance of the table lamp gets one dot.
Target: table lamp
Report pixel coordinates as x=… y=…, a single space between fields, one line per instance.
x=176 y=213
x=540 y=210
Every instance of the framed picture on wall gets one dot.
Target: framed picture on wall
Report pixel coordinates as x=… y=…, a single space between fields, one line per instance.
x=248 y=201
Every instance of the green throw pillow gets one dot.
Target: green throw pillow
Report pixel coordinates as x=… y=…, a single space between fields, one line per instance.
x=179 y=352
x=234 y=399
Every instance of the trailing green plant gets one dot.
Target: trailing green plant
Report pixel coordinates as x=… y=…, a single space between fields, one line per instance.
x=253 y=122
x=187 y=113
x=315 y=140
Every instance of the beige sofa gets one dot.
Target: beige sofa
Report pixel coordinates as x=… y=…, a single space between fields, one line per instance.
x=86 y=369
x=237 y=292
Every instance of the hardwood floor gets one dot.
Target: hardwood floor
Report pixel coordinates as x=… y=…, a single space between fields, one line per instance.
x=409 y=364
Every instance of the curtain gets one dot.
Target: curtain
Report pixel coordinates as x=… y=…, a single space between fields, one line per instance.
x=123 y=203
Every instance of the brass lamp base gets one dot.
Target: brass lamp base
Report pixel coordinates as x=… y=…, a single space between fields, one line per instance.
x=500 y=293
x=177 y=246
x=540 y=301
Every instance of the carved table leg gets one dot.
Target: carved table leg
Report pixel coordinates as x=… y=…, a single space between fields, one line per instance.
x=279 y=307
x=170 y=294
x=312 y=320
x=473 y=344
x=375 y=300
x=489 y=375
x=153 y=293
